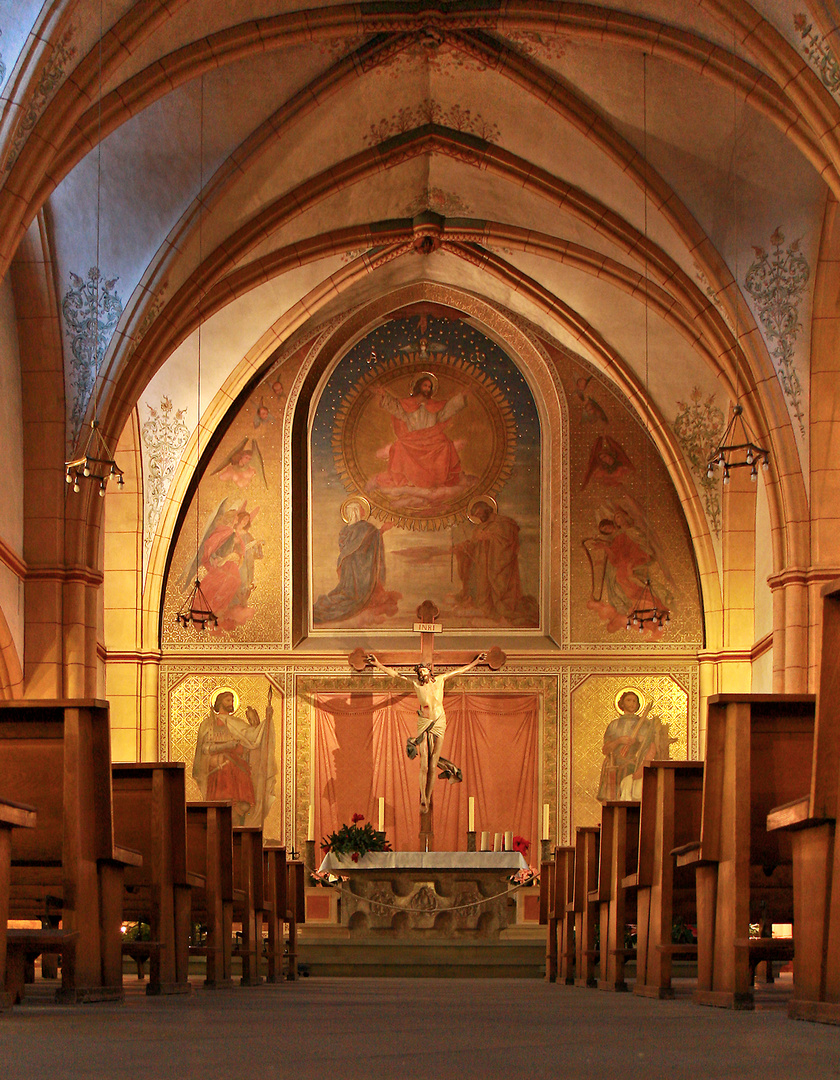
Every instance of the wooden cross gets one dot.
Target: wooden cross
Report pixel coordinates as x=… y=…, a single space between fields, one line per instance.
x=427 y=627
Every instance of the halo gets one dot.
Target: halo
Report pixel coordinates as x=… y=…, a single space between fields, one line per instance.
x=361 y=501
x=424 y=375
x=225 y=690
x=489 y=500
x=630 y=690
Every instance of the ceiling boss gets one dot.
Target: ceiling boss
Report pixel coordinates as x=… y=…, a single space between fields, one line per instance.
x=421 y=435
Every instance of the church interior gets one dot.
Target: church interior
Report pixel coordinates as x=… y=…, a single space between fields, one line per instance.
x=351 y=350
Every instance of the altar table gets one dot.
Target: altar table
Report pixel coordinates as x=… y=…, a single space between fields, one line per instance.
x=459 y=894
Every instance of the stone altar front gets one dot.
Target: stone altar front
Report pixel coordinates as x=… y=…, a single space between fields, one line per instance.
x=460 y=894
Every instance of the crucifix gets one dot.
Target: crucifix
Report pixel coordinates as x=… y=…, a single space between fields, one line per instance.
x=431 y=716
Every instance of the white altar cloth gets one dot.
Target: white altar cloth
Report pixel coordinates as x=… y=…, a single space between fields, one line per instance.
x=427 y=860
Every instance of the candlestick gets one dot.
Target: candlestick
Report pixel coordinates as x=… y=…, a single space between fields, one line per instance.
x=471 y=840
x=545 y=834
x=310 y=832
x=508 y=841
x=497 y=842
x=485 y=842
x=471 y=815
x=381 y=813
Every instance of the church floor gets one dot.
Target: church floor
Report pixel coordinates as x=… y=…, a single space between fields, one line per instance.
x=382 y=1029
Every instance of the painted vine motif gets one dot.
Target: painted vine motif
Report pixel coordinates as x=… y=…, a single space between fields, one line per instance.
x=2 y=65
x=776 y=282
x=698 y=426
x=818 y=53
x=432 y=112
x=438 y=201
x=164 y=436
x=51 y=79
x=91 y=309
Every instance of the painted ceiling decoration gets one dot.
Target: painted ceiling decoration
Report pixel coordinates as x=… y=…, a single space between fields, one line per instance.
x=353 y=150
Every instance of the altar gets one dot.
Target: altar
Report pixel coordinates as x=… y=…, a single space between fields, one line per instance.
x=432 y=894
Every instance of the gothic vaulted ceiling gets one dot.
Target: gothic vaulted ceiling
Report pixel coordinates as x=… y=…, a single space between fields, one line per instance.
x=259 y=164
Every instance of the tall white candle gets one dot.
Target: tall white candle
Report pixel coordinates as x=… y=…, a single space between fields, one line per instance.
x=382 y=813
x=485 y=842
x=471 y=826
x=310 y=832
x=545 y=821
x=508 y=841
x=497 y=842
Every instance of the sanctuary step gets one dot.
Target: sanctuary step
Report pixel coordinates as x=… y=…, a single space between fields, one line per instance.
x=518 y=958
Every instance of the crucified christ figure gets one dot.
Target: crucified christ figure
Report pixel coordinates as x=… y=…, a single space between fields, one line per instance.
x=431 y=724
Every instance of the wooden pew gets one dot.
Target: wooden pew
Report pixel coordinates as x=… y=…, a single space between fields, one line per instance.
x=12 y=816
x=672 y=799
x=275 y=908
x=57 y=756
x=758 y=755
x=810 y=820
x=150 y=815
x=296 y=911
x=565 y=875
x=618 y=854
x=210 y=875
x=548 y=914
x=248 y=900
x=585 y=910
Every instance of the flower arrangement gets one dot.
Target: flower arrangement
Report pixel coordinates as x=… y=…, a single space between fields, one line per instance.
x=521 y=844
x=355 y=840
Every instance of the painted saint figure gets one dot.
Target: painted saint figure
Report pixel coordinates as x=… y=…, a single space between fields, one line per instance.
x=234 y=758
x=431 y=724
x=422 y=454
x=631 y=740
x=360 y=568
x=488 y=566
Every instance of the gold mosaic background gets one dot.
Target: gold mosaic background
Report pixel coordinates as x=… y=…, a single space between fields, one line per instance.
x=189 y=701
x=593 y=707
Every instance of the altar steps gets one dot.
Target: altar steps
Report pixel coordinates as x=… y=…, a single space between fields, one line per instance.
x=433 y=958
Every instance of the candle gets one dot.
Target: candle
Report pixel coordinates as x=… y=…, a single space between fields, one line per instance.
x=310 y=832
x=485 y=844
x=471 y=825
x=545 y=821
x=508 y=841
x=497 y=842
x=382 y=813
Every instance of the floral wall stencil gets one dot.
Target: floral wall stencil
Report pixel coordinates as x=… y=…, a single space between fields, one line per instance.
x=51 y=78
x=432 y=112
x=776 y=282
x=164 y=437
x=818 y=53
x=2 y=65
x=540 y=46
x=91 y=309
x=439 y=201
x=152 y=312
x=698 y=426
x=706 y=286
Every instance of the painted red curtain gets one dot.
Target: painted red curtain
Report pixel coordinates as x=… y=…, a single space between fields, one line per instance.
x=358 y=754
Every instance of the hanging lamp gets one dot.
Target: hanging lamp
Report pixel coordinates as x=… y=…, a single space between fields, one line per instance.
x=196 y=610
x=646 y=613
x=739 y=447
x=96 y=461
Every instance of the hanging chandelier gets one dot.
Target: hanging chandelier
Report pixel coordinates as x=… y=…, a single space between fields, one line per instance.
x=647 y=614
x=738 y=449
x=95 y=463
x=196 y=611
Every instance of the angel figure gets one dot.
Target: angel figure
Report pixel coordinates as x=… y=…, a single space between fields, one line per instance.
x=243 y=464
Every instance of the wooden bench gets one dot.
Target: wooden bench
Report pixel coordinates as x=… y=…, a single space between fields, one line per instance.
x=758 y=755
x=810 y=819
x=615 y=903
x=275 y=908
x=672 y=799
x=210 y=876
x=296 y=911
x=12 y=816
x=56 y=755
x=150 y=815
x=248 y=900
x=584 y=910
